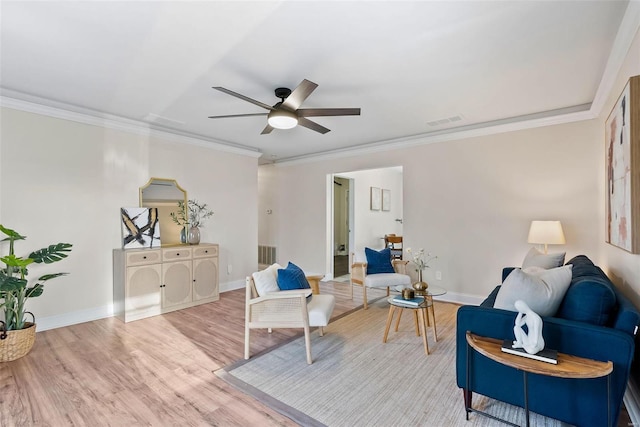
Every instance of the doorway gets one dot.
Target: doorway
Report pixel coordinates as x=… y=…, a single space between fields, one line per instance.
x=353 y=222
x=341 y=225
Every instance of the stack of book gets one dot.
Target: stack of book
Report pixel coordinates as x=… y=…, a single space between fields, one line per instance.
x=544 y=355
x=413 y=302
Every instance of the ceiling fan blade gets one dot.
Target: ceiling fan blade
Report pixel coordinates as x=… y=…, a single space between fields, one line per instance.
x=317 y=112
x=238 y=115
x=266 y=130
x=312 y=125
x=245 y=98
x=299 y=94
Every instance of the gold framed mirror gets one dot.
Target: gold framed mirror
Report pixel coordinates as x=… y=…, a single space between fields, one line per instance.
x=164 y=194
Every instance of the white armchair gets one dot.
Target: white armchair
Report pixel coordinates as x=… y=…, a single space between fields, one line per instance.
x=360 y=277
x=286 y=309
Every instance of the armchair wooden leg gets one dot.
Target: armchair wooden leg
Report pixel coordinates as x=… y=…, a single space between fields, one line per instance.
x=307 y=343
x=321 y=329
x=246 y=341
x=364 y=296
x=351 y=289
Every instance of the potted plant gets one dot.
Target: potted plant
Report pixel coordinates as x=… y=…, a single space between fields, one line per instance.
x=16 y=334
x=193 y=215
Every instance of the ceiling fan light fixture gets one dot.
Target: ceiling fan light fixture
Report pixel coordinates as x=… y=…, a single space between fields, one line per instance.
x=282 y=119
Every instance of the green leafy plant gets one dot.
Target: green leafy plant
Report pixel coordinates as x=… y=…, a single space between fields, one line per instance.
x=192 y=212
x=14 y=284
x=181 y=217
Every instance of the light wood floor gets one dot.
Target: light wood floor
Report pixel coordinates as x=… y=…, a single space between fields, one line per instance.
x=151 y=372
x=155 y=372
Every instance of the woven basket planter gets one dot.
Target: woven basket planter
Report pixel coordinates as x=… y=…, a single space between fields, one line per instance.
x=17 y=343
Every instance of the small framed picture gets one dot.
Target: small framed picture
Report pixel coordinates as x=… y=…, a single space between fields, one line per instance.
x=376 y=199
x=386 y=200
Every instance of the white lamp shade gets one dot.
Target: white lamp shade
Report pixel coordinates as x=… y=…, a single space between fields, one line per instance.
x=282 y=119
x=546 y=232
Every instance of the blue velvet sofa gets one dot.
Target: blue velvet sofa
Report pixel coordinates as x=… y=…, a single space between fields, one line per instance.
x=594 y=321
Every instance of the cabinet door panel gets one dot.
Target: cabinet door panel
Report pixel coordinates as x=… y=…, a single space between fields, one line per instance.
x=205 y=278
x=176 y=280
x=143 y=291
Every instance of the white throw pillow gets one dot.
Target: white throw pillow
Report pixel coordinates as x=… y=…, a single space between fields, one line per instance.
x=267 y=280
x=535 y=258
x=542 y=290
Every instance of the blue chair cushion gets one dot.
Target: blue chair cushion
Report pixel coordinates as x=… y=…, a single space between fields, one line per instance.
x=292 y=277
x=379 y=261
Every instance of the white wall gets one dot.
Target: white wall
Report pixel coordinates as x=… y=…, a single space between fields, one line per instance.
x=62 y=181
x=468 y=201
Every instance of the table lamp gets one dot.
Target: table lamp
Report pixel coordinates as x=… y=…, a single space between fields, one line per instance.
x=546 y=233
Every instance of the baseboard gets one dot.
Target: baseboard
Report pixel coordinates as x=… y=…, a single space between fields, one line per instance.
x=90 y=314
x=632 y=402
x=458 y=298
x=232 y=286
x=74 y=317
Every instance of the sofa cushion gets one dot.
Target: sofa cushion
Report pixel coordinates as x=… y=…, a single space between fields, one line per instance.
x=266 y=280
x=379 y=261
x=535 y=258
x=542 y=290
x=591 y=297
x=292 y=277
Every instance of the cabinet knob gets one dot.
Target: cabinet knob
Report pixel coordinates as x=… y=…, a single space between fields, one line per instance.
x=194 y=280
x=144 y=257
x=178 y=254
x=206 y=252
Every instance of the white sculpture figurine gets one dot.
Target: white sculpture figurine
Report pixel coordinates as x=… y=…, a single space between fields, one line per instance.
x=533 y=341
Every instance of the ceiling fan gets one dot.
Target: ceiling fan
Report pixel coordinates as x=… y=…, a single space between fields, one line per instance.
x=287 y=113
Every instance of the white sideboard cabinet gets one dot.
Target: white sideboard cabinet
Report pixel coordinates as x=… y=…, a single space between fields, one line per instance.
x=148 y=282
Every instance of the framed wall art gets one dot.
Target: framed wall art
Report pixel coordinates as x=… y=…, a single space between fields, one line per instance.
x=386 y=200
x=140 y=228
x=375 y=199
x=622 y=151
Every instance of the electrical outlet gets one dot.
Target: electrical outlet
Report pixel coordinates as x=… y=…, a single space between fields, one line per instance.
x=438 y=275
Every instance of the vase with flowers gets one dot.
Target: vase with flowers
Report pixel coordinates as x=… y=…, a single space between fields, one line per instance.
x=421 y=261
x=191 y=216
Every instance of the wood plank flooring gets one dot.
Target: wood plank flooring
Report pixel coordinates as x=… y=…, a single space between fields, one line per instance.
x=151 y=372
x=154 y=372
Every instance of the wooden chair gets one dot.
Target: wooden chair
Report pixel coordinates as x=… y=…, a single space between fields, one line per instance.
x=394 y=243
x=286 y=309
x=360 y=277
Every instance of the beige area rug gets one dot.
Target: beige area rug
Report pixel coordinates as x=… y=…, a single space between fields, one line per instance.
x=357 y=380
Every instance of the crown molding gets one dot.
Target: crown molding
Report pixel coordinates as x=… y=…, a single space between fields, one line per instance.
x=33 y=104
x=548 y=118
x=629 y=26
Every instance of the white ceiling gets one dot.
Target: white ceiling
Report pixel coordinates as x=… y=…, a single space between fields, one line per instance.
x=403 y=63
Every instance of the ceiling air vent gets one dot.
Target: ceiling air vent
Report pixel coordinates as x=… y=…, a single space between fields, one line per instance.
x=446 y=121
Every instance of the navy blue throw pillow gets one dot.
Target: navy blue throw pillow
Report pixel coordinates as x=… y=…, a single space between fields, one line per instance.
x=379 y=261
x=292 y=277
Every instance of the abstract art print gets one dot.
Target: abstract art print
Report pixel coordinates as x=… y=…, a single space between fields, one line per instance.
x=140 y=228
x=622 y=137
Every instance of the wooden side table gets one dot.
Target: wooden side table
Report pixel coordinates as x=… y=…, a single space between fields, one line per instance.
x=314 y=282
x=568 y=367
x=420 y=317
